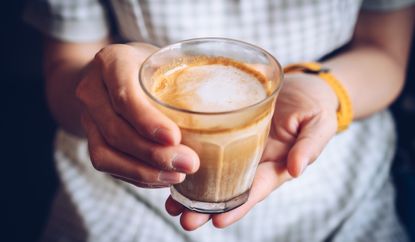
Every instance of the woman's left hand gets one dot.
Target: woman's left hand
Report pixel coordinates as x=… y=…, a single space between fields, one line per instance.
x=303 y=123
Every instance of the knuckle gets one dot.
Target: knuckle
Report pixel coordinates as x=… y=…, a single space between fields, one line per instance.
x=156 y=158
x=120 y=98
x=153 y=155
x=105 y=52
x=110 y=51
x=290 y=124
x=97 y=158
x=85 y=90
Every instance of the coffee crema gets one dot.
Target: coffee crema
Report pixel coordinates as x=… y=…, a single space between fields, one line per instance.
x=209 y=84
x=229 y=145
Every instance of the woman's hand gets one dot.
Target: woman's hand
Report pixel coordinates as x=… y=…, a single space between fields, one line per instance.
x=303 y=123
x=127 y=137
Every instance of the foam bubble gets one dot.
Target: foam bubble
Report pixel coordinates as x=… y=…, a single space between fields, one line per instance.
x=214 y=88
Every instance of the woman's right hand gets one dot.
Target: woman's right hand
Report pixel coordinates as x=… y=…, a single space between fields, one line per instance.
x=129 y=138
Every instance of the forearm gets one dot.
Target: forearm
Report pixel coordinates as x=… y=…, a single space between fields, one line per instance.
x=373 y=68
x=60 y=93
x=63 y=67
x=371 y=77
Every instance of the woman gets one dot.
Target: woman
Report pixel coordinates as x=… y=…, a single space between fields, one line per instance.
x=345 y=195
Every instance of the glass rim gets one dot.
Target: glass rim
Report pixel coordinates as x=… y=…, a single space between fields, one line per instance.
x=213 y=39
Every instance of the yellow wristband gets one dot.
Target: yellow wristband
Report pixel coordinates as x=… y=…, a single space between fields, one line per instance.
x=344 y=112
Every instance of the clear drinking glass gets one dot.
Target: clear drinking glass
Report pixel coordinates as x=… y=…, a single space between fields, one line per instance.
x=230 y=143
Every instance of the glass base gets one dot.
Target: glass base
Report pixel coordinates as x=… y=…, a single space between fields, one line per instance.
x=209 y=207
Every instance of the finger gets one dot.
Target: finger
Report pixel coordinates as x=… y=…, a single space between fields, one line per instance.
x=110 y=161
x=275 y=150
x=192 y=220
x=120 y=135
x=123 y=137
x=312 y=138
x=120 y=65
x=280 y=141
x=173 y=208
x=268 y=177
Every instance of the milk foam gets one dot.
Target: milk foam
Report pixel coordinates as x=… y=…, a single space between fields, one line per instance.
x=213 y=88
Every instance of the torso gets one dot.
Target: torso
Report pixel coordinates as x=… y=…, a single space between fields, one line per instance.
x=290 y=30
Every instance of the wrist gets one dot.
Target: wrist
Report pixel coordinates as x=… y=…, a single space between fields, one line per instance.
x=316 y=88
x=344 y=110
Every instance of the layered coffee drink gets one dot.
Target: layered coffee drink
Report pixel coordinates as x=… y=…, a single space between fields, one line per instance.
x=228 y=156
x=223 y=107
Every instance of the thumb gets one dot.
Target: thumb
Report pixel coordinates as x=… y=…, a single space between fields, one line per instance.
x=314 y=135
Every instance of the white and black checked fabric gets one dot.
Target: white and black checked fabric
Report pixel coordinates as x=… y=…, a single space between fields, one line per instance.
x=345 y=196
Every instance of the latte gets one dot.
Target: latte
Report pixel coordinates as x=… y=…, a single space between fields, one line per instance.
x=228 y=157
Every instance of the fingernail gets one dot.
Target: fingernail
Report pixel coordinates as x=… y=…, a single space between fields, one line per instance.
x=162 y=136
x=171 y=177
x=183 y=163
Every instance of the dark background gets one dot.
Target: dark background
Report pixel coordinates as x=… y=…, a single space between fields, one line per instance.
x=28 y=178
